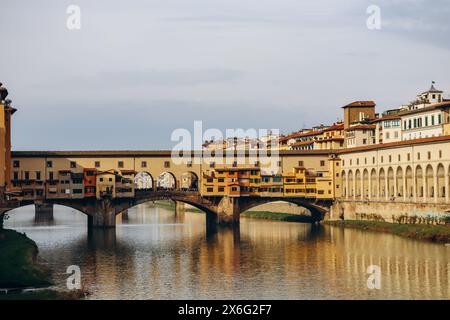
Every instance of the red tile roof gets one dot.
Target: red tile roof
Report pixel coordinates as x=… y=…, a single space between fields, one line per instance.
x=361 y=127
x=388 y=117
x=302 y=143
x=299 y=135
x=335 y=126
x=360 y=104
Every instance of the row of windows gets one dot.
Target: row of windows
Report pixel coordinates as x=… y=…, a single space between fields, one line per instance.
x=422 y=122
x=390 y=158
x=308 y=190
x=120 y=164
x=364 y=141
x=393 y=123
x=396 y=135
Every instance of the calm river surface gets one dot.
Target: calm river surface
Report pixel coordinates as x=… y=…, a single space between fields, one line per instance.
x=156 y=255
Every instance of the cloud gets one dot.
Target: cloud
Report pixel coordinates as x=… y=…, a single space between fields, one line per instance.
x=420 y=20
x=166 y=77
x=135 y=71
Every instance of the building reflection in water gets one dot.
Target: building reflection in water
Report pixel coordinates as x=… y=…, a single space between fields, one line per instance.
x=155 y=254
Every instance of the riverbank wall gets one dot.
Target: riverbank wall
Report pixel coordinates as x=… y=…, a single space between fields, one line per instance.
x=393 y=212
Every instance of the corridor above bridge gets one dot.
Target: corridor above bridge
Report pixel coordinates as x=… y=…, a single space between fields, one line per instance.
x=104 y=183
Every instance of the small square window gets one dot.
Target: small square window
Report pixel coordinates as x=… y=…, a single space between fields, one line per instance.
x=73 y=164
x=97 y=164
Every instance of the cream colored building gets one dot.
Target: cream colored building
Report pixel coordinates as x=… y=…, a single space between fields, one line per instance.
x=415 y=171
x=388 y=129
x=423 y=122
x=360 y=135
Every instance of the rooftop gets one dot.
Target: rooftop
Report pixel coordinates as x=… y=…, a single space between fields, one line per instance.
x=432 y=89
x=359 y=104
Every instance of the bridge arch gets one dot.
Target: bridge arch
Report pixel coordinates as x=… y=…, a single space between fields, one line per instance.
x=204 y=207
x=317 y=211
x=144 y=180
x=166 y=181
x=189 y=181
x=23 y=204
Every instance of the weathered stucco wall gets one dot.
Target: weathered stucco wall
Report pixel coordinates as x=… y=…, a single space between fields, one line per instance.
x=387 y=211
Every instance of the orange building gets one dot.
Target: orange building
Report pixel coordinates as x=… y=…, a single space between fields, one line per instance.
x=89 y=182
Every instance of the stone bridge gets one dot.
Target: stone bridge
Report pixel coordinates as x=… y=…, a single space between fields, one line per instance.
x=219 y=210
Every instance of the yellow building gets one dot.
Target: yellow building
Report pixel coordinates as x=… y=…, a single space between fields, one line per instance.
x=106 y=183
x=294 y=182
x=330 y=138
x=6 y=110
x=271 y=186
x=233 y=182
x=306 y=183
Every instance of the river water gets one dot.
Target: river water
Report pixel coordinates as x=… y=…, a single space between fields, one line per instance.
x=155 y=254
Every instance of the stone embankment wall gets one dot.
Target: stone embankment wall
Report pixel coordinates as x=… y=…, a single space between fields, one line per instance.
x=389 y=212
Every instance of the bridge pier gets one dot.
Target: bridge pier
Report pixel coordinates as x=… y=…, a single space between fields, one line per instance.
x=43 y=211
x=103 y=214
x=124 y=214
x=228 y=211
x=211 y=223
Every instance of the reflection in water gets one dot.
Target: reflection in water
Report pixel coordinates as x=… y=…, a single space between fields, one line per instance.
x=155 y=254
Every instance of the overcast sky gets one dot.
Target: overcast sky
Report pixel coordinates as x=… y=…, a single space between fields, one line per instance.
x=137 y=70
